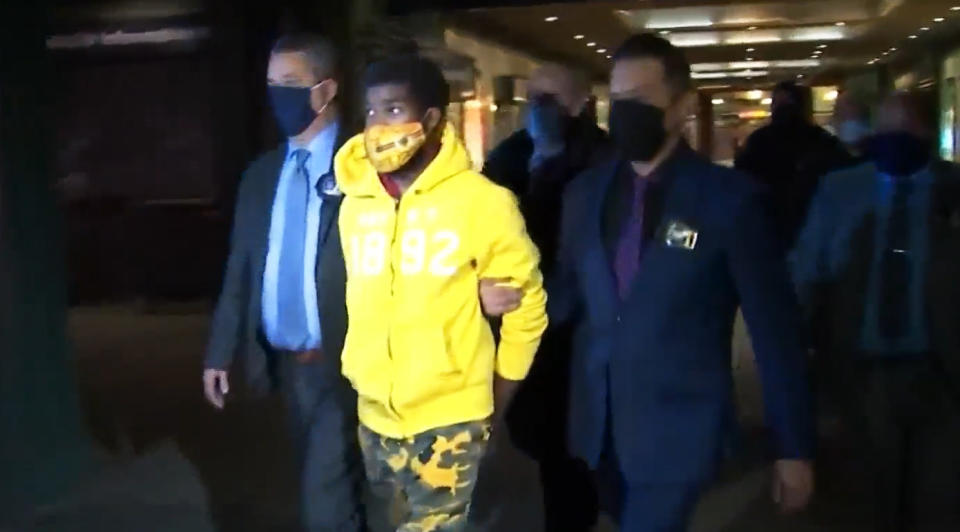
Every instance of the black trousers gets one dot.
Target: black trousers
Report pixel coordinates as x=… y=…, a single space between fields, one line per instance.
x=537 y=424
x=322 y=416
x=910 y=420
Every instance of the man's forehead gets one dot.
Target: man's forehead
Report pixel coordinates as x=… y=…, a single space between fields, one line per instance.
x=638 y=71
x=289 y=64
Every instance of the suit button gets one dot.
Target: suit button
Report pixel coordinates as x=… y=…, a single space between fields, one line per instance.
x=618 y=318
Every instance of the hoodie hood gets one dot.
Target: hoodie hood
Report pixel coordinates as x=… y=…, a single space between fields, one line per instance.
x=356 y=175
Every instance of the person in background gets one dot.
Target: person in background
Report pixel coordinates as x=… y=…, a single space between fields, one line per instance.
x=790 y=155
x=560 y=141
x=875 y=266
x=418 y=228
x=851 y=122
x=658 y=248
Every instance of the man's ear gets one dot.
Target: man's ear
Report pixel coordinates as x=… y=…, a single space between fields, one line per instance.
x=684 y=106
x=323 y=94
x=432 y=119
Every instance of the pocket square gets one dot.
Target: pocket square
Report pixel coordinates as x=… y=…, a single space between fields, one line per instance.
x=680 y=235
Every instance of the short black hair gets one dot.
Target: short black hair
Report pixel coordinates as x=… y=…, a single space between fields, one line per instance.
x=802 y=95
x=422 y=77
x=676 y=69
x=321 y=53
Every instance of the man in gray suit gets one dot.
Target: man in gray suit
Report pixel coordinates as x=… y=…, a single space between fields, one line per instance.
x=282 y=306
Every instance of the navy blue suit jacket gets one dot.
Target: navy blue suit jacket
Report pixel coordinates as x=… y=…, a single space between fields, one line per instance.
x=661 y=359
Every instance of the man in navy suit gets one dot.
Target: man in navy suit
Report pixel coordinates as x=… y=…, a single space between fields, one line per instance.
x=658 y=249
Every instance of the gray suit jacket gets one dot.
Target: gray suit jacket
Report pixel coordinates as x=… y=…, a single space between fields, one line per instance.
x=236 y=327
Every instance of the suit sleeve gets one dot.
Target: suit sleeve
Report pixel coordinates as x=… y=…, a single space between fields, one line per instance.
x=511 y=254
x=757 y=263
x=563 y=285
x=227 y=324
x=809 y=259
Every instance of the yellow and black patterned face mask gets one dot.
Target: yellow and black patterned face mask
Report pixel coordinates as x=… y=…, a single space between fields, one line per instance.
x=391 y=146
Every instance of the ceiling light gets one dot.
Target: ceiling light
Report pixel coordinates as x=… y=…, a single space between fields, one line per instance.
x=752 y=28
x=912 y=37
x=717 y=101
x=799 y=76
x=924 y=29
x=893 y=49
x=766 y=101
x=601 y=50
x=821 y=46
x=754 y=95
x=939 y=19
x=955 y=8
x=831 y=95
x=751 y=49
x=661 y=23
x=736 y=74
x=591 y=44
x=578 y=36
x=840 y=24
x=664 y=32
x=552 y=19
x=609 y=57
x=749 y=59
x=493 y=107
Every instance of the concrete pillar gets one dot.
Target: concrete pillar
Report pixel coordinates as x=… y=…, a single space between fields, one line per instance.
x=43 y=447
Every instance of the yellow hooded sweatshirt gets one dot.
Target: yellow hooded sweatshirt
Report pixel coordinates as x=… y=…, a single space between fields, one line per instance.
x=418 y=350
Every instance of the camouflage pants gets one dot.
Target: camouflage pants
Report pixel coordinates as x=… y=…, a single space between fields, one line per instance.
x=435 y=471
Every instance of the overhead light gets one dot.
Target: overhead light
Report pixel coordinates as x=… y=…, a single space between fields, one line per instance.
x=831 y=95
x=925 y=28
x=591 y=44
x=799 y=76
x=493 y=107
x=751 y=49
x=840 y=24
x=717 y=101
x=766 y=101
x=893 y=49
x=955 y=8
x=736 y=65
x=601 y=50
x=939 y=19
x=663 y=23
x=754 y=95
x=552 y=19
x=664 y=32
x=735 y=74
x=578 y=36
x=912 y=37
x=821 y=46
x=749 y=59
x=609 y=57
x=752 y=28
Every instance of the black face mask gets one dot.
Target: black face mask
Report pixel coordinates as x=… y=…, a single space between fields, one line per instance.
x=546 y=120
x=292 y=108
x=637 y=129
x=899 y=153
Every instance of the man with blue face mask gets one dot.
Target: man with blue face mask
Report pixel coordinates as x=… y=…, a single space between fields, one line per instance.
x=282 y=304
x=560 y=139
x=875 y=266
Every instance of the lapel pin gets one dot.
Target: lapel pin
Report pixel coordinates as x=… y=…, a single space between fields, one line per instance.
x=680 y=235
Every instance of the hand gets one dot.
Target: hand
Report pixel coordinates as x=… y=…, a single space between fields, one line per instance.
x=498 y=299
x=215 y=386
x=792 y=484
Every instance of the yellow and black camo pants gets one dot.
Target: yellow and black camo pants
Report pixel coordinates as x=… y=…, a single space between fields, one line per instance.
x=435 y=471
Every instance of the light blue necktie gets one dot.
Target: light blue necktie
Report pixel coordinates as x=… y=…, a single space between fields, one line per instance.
x=292 y=312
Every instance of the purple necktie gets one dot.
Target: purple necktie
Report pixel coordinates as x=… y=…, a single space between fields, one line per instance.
x=626 y=263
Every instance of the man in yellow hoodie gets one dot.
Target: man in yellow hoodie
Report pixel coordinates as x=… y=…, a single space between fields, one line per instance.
x=419 y=229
